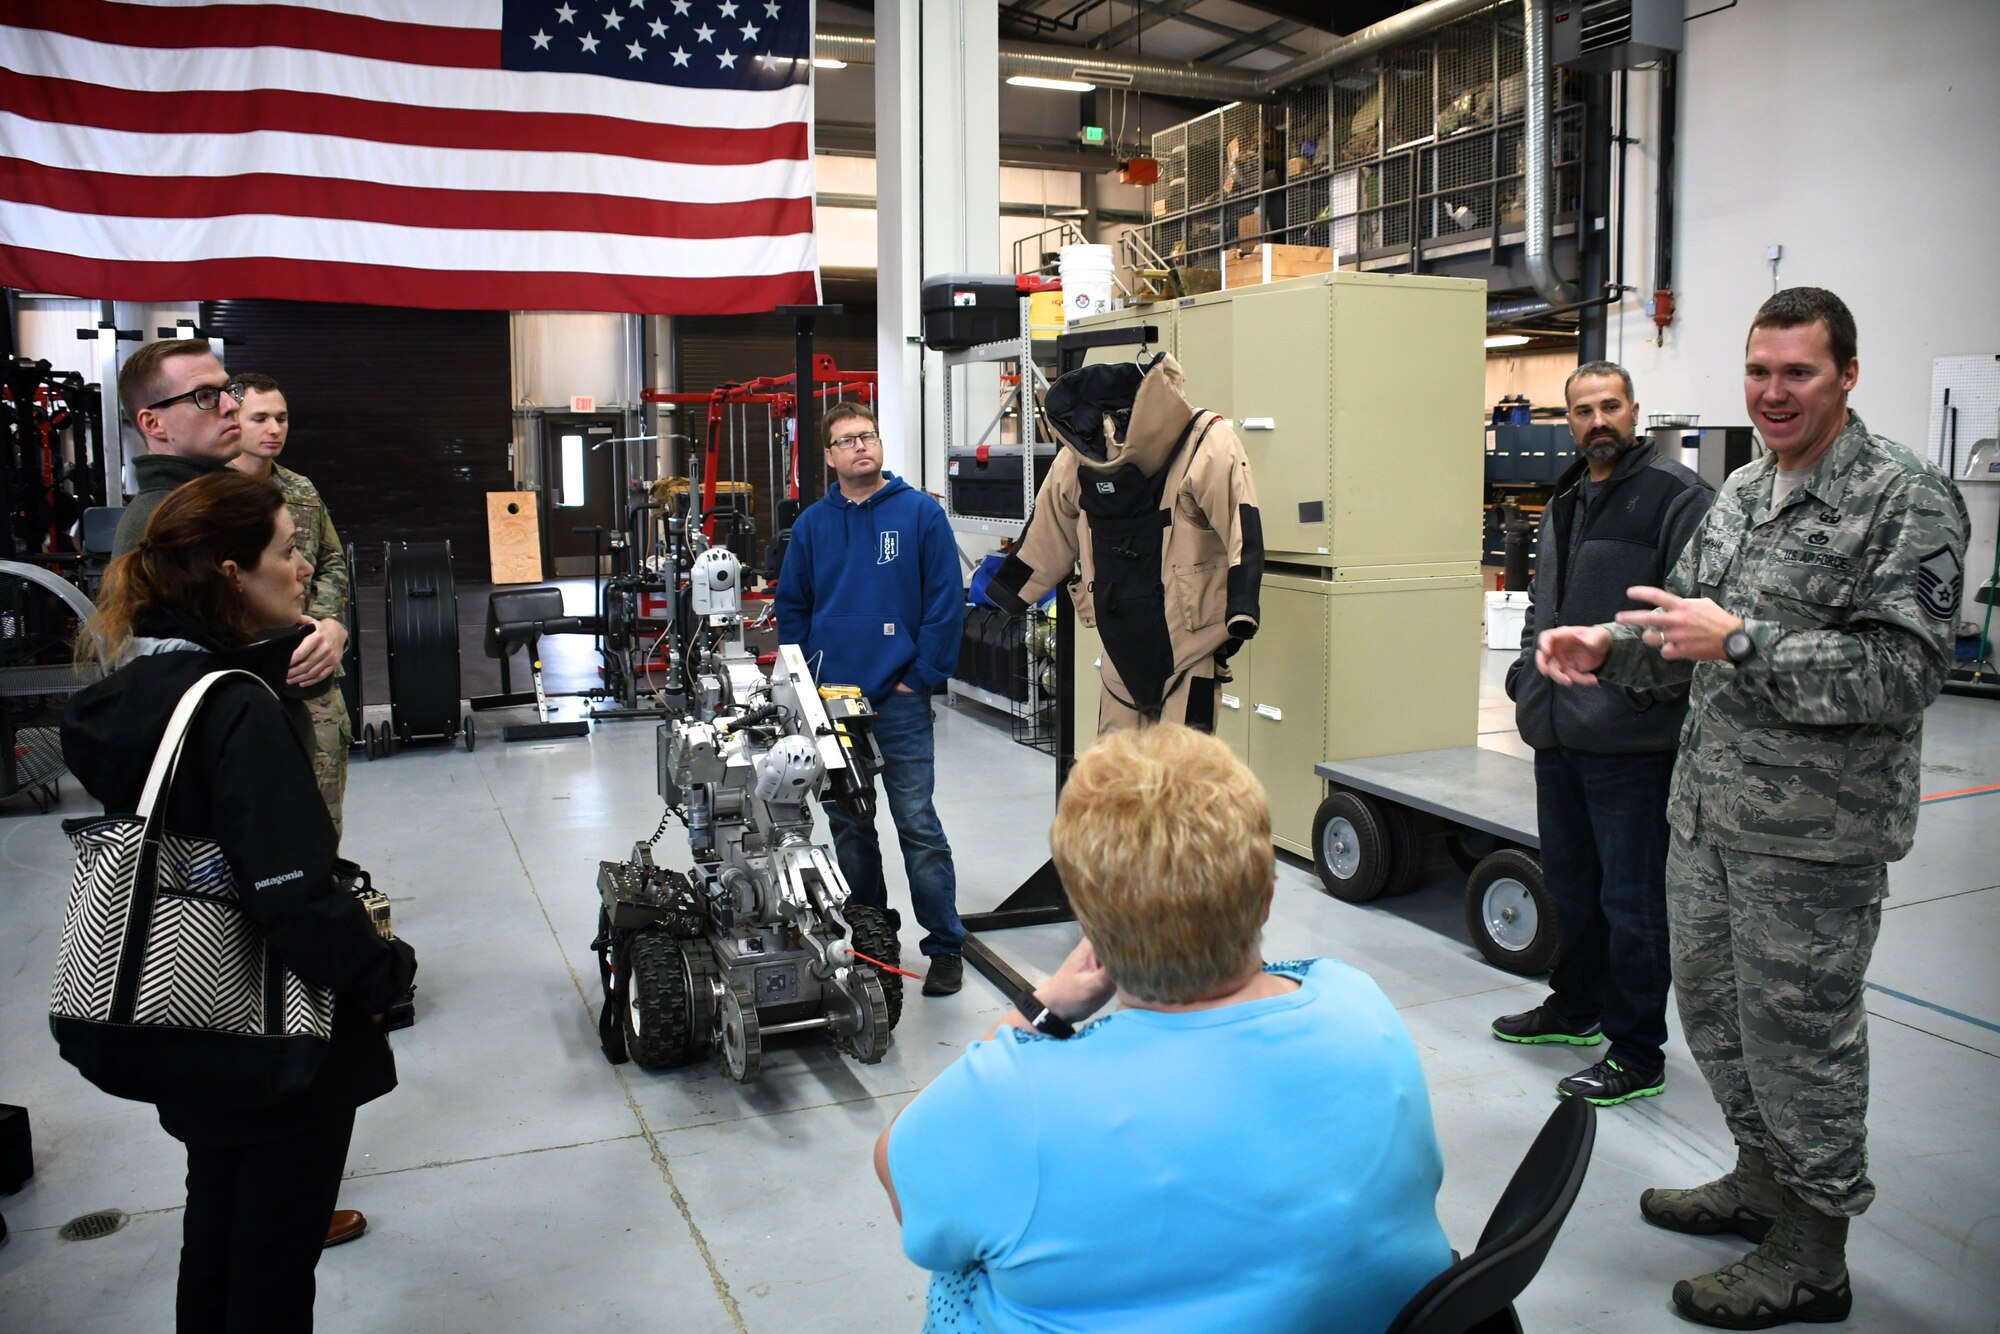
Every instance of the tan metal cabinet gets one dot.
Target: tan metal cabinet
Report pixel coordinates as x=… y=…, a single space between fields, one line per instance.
x=1358 y=400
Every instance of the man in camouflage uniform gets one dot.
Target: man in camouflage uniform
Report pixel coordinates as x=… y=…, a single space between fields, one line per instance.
x=1813 y=612
x=266 y=423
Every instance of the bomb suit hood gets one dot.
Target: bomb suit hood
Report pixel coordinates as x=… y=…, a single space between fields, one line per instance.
x=1119 y=413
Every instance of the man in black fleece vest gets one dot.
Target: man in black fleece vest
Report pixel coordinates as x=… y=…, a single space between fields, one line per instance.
x=1604 y=758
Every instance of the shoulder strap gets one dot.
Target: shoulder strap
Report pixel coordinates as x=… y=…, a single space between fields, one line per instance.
x=168 y=757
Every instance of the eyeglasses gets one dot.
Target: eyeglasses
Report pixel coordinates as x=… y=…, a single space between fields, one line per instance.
x=865 y=438
x=205 y=396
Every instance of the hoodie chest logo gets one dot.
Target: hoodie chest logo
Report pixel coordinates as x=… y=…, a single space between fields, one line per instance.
x=891 y=543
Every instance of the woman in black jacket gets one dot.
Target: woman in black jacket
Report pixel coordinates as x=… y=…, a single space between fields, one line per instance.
x=218 y=583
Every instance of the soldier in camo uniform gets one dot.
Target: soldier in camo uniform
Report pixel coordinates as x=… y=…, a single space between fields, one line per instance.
x=1813 y=612
x=265 y=428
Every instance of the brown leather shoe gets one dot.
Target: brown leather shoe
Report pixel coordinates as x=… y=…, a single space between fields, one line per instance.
x=346 y=1225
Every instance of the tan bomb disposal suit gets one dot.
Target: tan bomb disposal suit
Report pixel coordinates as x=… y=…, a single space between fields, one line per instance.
x=1152 y=499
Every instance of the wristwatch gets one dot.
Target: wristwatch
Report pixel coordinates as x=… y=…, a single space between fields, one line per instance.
x=1739 y=647
x=1041 y=1018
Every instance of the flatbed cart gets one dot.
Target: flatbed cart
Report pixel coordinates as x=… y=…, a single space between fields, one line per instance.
x=1373 y=833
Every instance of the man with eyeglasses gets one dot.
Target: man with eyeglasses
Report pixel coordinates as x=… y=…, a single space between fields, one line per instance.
x=184 y=404
x=870 y=590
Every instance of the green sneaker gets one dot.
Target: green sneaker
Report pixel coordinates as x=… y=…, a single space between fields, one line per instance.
x=1538 y=1025
x=1608 y=1083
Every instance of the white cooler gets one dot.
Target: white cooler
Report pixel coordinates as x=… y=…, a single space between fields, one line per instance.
x=1506 y=618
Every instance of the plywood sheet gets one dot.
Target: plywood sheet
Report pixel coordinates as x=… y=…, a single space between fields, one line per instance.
x=513 y=535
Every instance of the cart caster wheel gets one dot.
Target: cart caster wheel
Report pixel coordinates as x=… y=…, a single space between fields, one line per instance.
x=1350 y=847
x=1469 y=846
x=468 y=731
x=368 y=742
x=1406 y=851
x=1509 y=914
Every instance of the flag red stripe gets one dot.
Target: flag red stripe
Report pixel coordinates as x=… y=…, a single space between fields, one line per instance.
x=373 y=284
x=410 y=206
x=191 y=26
x=65 y=101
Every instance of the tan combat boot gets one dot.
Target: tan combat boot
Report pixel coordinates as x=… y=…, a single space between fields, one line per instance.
x=1798 y=1273
x=1743 y=1200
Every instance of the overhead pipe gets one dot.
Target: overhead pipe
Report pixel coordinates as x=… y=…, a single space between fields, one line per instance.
x=1174 y=78
x=1663 y=251
x=1540 y=183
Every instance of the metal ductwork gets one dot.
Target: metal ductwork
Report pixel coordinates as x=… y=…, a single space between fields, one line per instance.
x=1507 y=312
x=1539 y=187
x=1179 y=78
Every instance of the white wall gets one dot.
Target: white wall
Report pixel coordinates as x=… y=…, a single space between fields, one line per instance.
x=1860 y=135
x=1539 y=375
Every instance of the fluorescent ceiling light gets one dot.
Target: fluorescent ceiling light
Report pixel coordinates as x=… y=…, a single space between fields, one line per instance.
x=1053 y=85
x=1508 y=340
x=821 y=62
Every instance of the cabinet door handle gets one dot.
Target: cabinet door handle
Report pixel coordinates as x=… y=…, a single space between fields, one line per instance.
x=1271 y=711
x=1231 y=702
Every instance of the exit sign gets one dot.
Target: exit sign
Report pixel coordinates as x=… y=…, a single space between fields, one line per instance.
x=583 y=403
x=1092 y=134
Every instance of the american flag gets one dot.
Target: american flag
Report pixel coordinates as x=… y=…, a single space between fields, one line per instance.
x=629 y=155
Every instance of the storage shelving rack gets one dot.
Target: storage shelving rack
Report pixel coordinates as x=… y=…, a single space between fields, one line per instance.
x=1415 y=155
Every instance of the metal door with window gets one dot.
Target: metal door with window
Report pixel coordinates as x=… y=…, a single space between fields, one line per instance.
x=580 y=489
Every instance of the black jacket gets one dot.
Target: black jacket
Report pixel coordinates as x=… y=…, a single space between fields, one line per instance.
x=246 y=781
x=1643 y=515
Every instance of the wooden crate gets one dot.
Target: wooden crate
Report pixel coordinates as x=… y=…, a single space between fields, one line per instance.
x=1269 y=263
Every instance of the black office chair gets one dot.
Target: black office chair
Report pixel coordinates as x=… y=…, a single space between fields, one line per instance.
x=517 y=616
x=99 y=527
x=1476 y=1295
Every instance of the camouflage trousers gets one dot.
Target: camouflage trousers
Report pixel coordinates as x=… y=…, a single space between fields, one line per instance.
x=1770 y=960
x=332 y=734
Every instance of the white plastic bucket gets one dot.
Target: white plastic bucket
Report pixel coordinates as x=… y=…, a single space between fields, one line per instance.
x=1088 y=280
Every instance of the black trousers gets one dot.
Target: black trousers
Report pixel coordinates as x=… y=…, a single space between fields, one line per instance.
x=256 y=1221
x=1604 y=857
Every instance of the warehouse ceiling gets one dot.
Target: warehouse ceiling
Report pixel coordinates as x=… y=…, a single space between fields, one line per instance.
x=1245 y=34
x=1249 y=35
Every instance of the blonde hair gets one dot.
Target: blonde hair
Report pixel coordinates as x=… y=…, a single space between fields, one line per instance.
x=1163 y=840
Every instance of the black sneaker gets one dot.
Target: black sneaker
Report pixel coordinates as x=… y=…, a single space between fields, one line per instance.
x=945 y=975
x=1538 y=1025
x=1608 y=1083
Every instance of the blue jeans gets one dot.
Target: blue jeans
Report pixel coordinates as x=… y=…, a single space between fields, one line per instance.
x=909 y=776
x=1604 y=857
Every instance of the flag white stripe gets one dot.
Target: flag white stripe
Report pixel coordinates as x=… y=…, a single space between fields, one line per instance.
x=226 y=69
x=439 y=13
x=331 y=240
x=221 y=156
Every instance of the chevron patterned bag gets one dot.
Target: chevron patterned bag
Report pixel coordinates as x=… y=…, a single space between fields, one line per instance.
x=165 y=988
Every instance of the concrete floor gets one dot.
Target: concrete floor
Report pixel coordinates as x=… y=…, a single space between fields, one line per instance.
x=517 y=1182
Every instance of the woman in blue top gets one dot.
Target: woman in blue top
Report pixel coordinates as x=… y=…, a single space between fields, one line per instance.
x=1239 y=1145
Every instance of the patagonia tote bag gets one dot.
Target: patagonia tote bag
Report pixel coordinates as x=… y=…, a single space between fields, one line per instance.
x=165 y=988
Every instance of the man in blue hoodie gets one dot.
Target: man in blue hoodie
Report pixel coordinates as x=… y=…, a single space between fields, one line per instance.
x=870 y=590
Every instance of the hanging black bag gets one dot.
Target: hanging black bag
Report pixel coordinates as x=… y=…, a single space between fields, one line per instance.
x=166 y=989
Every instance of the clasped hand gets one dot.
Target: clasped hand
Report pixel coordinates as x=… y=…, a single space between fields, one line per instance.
x=1682 y=629
x=318 y=654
